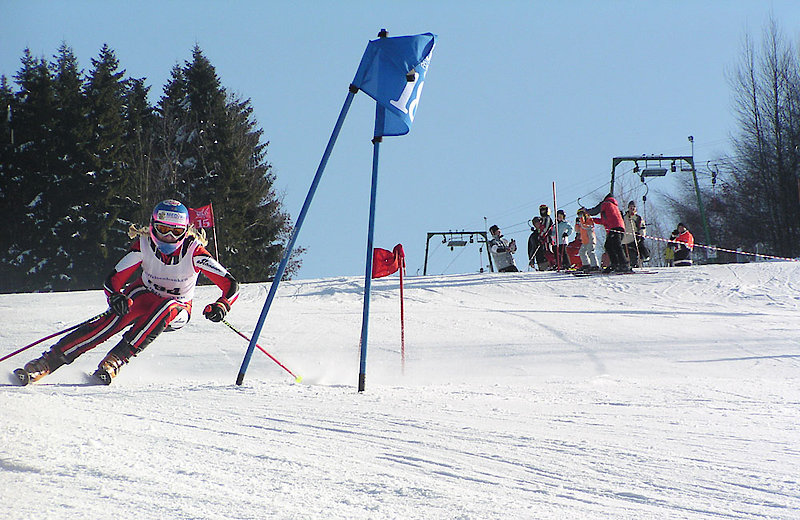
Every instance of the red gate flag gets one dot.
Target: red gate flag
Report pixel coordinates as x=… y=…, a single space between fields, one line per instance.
x=202 y=217
x=385 y=262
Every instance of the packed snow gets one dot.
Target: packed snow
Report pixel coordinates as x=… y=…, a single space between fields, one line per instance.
x=674 y=394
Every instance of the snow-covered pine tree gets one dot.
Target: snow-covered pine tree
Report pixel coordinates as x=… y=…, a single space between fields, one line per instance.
x=26 y=256
x=8 y=173
x=64 y=198
x=140 y=136
x=110 y=209
x=216 y=154
x=90 y=155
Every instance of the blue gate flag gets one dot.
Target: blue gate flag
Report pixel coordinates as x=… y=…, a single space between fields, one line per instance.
x=392 y=72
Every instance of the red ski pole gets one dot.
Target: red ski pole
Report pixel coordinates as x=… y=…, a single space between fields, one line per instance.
x=53 y=335
x=297 y=379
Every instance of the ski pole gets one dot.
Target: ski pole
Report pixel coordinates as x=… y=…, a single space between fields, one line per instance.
x=534 y=255
x=53 y=335
x=297 y=379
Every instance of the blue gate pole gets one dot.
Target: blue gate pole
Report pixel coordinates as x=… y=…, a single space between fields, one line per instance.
x=290 y=245
x=376 y=142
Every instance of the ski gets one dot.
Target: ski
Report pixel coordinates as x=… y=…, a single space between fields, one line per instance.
x=612 y=273
x=20 y=377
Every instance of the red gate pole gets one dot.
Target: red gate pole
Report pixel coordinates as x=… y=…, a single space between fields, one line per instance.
x=402 y=321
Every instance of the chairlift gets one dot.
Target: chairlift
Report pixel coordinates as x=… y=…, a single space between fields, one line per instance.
x=454 y=239
x=654 y=172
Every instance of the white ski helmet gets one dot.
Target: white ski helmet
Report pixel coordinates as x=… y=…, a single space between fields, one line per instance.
x=169 y=225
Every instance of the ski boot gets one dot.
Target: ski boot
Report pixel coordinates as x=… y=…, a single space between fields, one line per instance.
x=109 y=368
x=112 y=363
x=37 y=368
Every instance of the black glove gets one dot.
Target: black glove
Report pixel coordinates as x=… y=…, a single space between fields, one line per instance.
x=119 y=303
x=216 y=311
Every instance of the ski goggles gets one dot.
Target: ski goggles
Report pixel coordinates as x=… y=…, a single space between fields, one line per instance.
x=166 y=229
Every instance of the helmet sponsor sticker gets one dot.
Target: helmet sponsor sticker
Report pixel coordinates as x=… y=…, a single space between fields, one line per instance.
x=171 y=217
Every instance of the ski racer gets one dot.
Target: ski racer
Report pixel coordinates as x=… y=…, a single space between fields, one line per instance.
x=611 y=219
x=171 y=255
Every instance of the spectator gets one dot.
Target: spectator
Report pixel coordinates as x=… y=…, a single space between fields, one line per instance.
x=502 y=251
x=669 y=251
x=684 y=243
x=585 y=226
x=537 y=245
x=611 y=219
x=632 y=241
x=560 y=236
x=547 y=227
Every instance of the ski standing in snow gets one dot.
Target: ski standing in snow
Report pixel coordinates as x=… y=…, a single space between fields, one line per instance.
x=171 y=255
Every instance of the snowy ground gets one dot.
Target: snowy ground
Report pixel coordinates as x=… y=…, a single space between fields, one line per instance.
x=529 y=395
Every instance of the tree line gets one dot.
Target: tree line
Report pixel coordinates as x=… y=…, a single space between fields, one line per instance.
x=755 y=202
x=83 y=155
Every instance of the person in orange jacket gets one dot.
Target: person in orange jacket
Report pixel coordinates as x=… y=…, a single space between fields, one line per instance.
x=585 y=226
x=684 y=243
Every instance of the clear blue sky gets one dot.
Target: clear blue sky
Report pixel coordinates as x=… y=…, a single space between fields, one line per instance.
x=519 y=94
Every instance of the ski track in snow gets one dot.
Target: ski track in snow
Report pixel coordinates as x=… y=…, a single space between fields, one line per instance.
x=526 y=395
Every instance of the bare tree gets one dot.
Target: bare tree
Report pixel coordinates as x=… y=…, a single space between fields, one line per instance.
x=763 y=195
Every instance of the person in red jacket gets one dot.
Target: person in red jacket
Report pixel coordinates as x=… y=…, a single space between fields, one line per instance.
x=611 y=219
x=683 y=244
x=171 y=255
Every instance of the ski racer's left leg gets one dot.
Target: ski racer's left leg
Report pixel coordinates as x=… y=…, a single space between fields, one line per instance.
x=154 y=315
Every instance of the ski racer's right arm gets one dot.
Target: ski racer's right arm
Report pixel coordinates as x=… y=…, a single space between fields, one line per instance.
x=124 y=269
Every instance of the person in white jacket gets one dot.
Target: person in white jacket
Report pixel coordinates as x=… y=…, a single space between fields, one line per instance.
x=560 y=235
x=502 y=251
x=633 y=239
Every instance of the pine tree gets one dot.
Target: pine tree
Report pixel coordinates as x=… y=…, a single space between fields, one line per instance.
x=106 y=210
x=139 y=138
x=70 y=182
x=8 y=173
x=172 y=133
x=27 y=257
x=263 y=224
x=217 y=157
x=83 y=156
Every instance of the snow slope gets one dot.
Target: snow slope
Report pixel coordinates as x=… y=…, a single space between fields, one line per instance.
x=528 y=395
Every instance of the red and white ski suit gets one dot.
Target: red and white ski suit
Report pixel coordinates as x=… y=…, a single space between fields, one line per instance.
x=161 y=295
